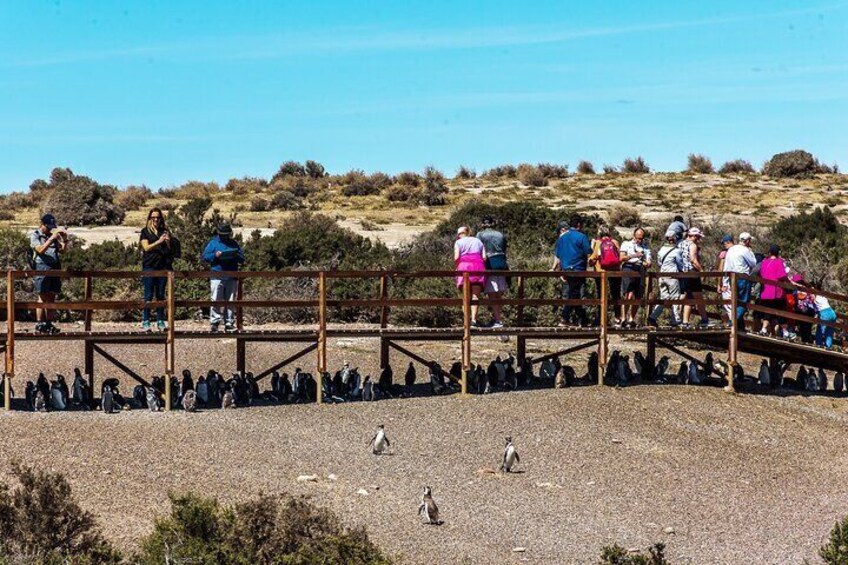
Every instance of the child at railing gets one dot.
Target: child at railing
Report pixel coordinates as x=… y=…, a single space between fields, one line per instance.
x=824 y=334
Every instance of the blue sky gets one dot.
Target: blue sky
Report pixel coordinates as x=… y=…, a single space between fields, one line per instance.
x=161 y=92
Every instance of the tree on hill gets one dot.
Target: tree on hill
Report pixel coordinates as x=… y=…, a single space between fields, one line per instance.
x=78 y=200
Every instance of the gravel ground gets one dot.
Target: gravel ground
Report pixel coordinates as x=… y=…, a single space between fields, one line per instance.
x=719 y=478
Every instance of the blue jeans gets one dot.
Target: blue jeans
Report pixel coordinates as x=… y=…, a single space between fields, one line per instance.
x=154 y=288
x=573 y=289
x=824 y=334
x=743 y=296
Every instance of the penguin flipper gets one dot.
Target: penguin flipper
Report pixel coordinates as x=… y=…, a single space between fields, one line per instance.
x=517 y=458
x=386 y=439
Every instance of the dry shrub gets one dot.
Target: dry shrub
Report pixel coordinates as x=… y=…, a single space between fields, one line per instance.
x=553 y=171
x=465 y=173
x=79 y=200
x=626 y=216
x=609 y=169
x=616 y=555
x=191 y=190
x=133 y=197
x=246 y=186
x=259 y=204
x=357 y=183
x=530 y=175
x=285 y=200
x=736 y=166
x=792 y=164
x=636 y=166
x=408 y=178
x=502 y=171
x=699 y=164
x=6 y=215
x=585 y=168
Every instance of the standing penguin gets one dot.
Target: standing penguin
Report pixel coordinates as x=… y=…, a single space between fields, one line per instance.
x=152 y=399
x=409 y=377
x=838 y=382
x=694 y=377
x=510 y=456
x=661 y=369
x=428 y=508
x=107 y=402
x=57 y=398
x=592 y=368
x=683 y=373
x=765 y=374
x=822 y=380
x=379 y=443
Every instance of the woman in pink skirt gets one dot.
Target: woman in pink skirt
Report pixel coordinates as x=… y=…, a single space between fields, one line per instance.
x=469 y=254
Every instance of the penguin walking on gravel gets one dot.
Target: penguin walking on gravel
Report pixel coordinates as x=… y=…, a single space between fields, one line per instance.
x=510 y=456
x=428 y=508
x=379 y=443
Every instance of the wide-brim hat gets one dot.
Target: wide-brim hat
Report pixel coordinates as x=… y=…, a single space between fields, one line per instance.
x=225 y=229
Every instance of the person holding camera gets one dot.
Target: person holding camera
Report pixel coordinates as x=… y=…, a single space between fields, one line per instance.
x=159 y=249
x=47 y=242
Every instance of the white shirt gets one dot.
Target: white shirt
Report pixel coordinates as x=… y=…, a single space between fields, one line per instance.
x=630 y=247
x=739 y=259
x=822 y=303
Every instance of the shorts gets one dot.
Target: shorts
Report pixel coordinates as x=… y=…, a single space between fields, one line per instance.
x=689 y=287
x=631 y=284
x=495 y=284
x=47 y=284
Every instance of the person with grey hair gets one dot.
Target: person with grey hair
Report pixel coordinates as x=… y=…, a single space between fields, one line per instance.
x=670 y=261
x=494 y=242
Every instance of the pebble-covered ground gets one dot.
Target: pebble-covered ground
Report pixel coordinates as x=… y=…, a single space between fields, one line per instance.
x=719 y=478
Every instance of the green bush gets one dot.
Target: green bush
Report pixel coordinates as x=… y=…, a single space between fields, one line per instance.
x=408 y=179
x=835 y=551
x=259 y=204
x=357 y=183
x=624 y=215
x=40 y=522
x=699 y=164
x=285 y=200
x=552 y=171
x=502 y=171
x=314 y=169
x=268 y=529
x=289 y=169
x=617 y=555
x=78 y=200
x=794 y=164
x=609 y=169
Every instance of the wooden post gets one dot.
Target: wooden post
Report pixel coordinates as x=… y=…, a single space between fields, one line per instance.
x=239 y=311
x=733 y=341
x=169 y=342
x=651 y=357
x=520 y=312
x=10 y=340
x=466 y=331
x=602 y=341
x=88 y=292
x=241 y=355
x=521 y=349
x=648 y=287
x=322 y=334
x=384 y=295
x=88 y=362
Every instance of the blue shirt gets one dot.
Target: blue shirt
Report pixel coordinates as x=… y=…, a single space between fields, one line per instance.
x=572 y=249
x=231 y=254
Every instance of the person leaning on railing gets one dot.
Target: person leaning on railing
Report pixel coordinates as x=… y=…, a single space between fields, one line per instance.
x=159 y=249
x=223 y=253
x=692 y=287
x=571 y=254
x=469 y=254
x=741 y=260
x=47 y=243
x=635 y=258
x=669 y=261
x=605 y=257
x=494 y=242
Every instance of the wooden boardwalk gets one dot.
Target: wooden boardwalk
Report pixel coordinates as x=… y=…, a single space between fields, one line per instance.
x=730 y=338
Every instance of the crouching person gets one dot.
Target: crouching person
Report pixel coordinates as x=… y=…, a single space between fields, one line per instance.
x=223 y=253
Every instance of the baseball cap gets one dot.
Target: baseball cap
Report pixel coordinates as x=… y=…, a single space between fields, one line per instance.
x=745 y=236
x=48 y=220
x=670 y=233
x=727 y=239
x=562 y=225
x=695 y=231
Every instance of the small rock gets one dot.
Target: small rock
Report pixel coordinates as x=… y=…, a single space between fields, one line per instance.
x=332 y=477
x=375 y=487
x=591 y=483
x=307 y=479
x=616 y=441
x=362 y=492
x=544 y=485
x=519 y=549
x=668 y=530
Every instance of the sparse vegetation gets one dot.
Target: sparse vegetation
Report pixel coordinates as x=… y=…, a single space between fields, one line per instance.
x=585 y=168
x=625 y=216
x=133 y=197
x=794 y=164
x=699 y=164
x=78 y=200
x=636 y=166
x=835 y=551
x=609 y=169
x=736 y=166
x=465 y=173
x=617 y=555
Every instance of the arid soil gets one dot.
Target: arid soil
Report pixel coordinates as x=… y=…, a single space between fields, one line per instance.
x=719 y=478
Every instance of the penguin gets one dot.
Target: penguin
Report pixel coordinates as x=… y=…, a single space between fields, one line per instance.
x=500 y=368
x=611 y=374
x=29 y=395
x=190 y=401
x=428 y=508
x=339 y=384
x=559 y=381
x=379 y=443
x=812 y=381
x=739 y=373
x=409 y=377
x=694 y=376
x=709 y=364
x=345 y=371
x=838 y=382
x=491 y=378
x=661 y=369
x=187 y=383
x=592 y=368
x=63 y=386
x=801 y=378
x=621 y=373
x=152 y=399
x=455 y=370
x=525 y=373
x=57 y=397
x=479 y=379
x=227 y=401
x=202 y=390
x=367 y=389
x=511 y=378
x=547 y=370
x=640 y=364
x=765 y=374
x=822 y=380
x=107 y=402
x=510 y=456
x=43 y=385
x=683 y=373
x=39 y=404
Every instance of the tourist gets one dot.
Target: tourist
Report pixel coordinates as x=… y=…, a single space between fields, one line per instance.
x=494 y=243
x=773 y=268
x=157 y=255
x=47 y=243
x=824 y=334
x=635 y=259
x=669 y=260
x=692 y=288
x=469 y=254
x=606 y=257
x=224 y=254
x=571 y=255
x=678 y=226
x=726 y=294
x=740 y=259
x=804 y=304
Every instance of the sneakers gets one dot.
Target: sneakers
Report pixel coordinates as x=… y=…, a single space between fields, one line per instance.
x=229 y=327
x=213 y=327
x=146 y=326
x=161 y=326
x=704 y=323
x=474 y=324
x=46 y=328
x=497 y=325
x=652 y=323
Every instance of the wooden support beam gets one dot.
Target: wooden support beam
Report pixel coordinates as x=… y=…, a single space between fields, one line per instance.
x=88 y=290
x=586 y=345
x=416 y=357
x=88 y=362
x=521 y=349
x=384 y=295
x=520 y=294
x=466 y=331
x=688 y=357
x=733 y=341
x=169 y=343
x=384 y=352
x=239 y=309
x=651 y=356
x=106 y=355
x=322 y=334
x=241 y=355
x=10 y=340
x=603 y=340
x=308 y=349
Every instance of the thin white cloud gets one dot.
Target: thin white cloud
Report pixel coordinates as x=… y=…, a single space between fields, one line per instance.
x=370 y=39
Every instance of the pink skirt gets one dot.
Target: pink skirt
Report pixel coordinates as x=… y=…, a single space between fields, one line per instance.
x=471 y=263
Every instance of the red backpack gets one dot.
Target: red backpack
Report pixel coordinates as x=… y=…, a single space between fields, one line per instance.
x=608 y=255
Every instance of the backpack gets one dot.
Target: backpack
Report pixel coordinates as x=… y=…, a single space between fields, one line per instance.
x=608 y=255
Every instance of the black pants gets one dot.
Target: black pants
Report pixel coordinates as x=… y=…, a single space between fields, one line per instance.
x=573 y=289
